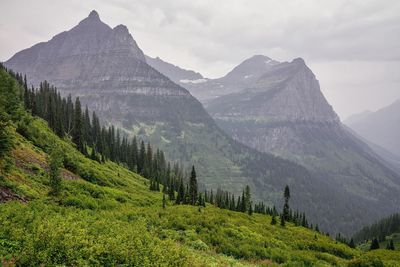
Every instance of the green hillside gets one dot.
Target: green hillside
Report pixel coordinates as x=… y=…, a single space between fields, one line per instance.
x=105 y=214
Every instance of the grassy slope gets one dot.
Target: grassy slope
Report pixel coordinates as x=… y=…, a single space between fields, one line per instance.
x=107 y=216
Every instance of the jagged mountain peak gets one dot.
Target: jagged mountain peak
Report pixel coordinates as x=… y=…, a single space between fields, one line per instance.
x=121 y=28
x=94 y=15
x=92 y=23
x=250 y=67
x=299 y=60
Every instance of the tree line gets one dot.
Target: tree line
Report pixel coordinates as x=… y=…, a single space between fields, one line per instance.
x=379 y=231
x=67 y=118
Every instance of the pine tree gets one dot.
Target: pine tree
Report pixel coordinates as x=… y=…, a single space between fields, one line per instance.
x=247 y=198
x=286 y=212
x=181 y=193
x=390 y=245
x=282 y=220
x=55 y=161
x=6 y=137
x=77 y=137
x=351 y=243
x=164 y=202
x=141 y=158
x=374 y=244
x=193 y=187
x=273 y=220
x=250 y=211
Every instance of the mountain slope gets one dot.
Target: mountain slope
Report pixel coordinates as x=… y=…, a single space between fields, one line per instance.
x=381 y=127
x=118 y=221
x=107 y=70
x=175 y=73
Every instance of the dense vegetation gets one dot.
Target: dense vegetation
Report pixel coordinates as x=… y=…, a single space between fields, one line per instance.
x=103 y=214
x=380 y=229
x=383 y=234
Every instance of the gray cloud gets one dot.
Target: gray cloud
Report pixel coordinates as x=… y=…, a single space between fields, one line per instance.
x=209 y=36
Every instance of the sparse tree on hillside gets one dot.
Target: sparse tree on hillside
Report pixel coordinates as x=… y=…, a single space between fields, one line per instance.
x=55 y=161
x=374 y=244
x=78 y=126
x=351 y=243
x=193 y=187
x=164 y=202
x=390 y=245
x=273 y=220
x=286 y=210
x=6 y=138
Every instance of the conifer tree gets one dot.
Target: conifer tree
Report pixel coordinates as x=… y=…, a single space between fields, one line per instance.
x=164 y=202
x=374 y=244
x=55 y=160
x=273 y=220
x=181 y=193
x=286 y=211
x=141 y=158
x=193 y=187
x=351 y=243
x=78 y=126
x=6 y=137
x=390 y=245
x=250 y=211
x=247 y=198
x=282 y=220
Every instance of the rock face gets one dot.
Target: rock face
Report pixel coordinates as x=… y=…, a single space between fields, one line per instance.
x=381 y=127
x=108 y=71
x=175 y=73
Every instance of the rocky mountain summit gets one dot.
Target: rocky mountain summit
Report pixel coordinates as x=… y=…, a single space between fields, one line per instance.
x=279 y=111
x=237 y=79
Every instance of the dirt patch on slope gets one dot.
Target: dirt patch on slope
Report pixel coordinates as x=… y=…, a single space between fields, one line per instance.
x=6 y=194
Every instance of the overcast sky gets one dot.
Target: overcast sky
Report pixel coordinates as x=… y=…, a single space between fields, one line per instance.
x=353 y=47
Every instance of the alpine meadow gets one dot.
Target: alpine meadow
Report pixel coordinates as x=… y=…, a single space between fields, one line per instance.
x=112 y=155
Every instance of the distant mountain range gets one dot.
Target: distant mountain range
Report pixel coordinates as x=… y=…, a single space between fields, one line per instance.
x=381 y=127
x=271 y=109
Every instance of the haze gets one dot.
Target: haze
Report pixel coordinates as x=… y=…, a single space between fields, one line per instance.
x=352 y=47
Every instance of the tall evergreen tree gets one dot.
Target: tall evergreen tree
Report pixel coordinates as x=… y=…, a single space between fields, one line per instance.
x=247 y=198
x=77 y=137
x=351 y=243
x=6 y=136
x=181 y=193
x=283 y=221
x=164 y=202
x=141 y=158
x=390 y=245
x=273 y=220
x=193 y=187
x=286 y=210
x=55 y=160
